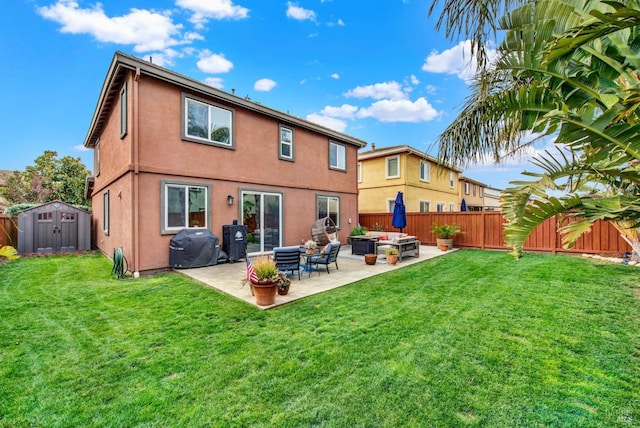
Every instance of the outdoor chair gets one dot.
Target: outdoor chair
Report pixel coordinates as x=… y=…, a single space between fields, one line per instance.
x=330 y=256
x=287 y=259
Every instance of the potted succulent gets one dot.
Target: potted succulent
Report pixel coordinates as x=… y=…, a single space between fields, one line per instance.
x=392 y=255
x=444 y=234
x=269 y=280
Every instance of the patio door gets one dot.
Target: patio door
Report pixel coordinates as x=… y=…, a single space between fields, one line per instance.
x=262 y=213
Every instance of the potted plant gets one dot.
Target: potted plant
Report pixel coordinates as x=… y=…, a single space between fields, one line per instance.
x=270 y=280
x=370 y=259
x=392 y=255
x=310 y=246
x=356 y=231
x=444 y=234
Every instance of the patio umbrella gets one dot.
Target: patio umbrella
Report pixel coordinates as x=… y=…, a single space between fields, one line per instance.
x=463 y=205
x=399 y=219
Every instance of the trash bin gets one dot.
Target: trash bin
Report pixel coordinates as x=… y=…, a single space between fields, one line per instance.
x=234 y=241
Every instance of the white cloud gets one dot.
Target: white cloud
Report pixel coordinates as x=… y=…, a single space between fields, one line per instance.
x=414 y=80
x=296 y=12
x=345 y=111
x=215 y=82
x=203 y=10
x=457 y=60
x=146 y=30
x=328 y=122
x=264 y=85
x=335 y=76
x=430 y=89
x=81 y=148
x=164 y=58
x=338 y=23
x=213 y=63
x=392 y=90
x=400 y=111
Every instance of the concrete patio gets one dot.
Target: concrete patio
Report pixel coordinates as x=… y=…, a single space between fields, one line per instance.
x=228 y=277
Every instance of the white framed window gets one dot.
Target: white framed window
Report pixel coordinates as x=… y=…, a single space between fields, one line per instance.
x=391 y=204
x=474 y=189
x=452 y=207
x=184 y=205
x=480 y=192
x=452 y=183
x=466 y=188
x=105 y=213
x=425 y=171
x=207 y=123
x=285 y=150
x=425 y=206
x=359 y=172
x=123 y=111
x=440 y=207
x=393 y=166
x=337 y=156
x=328 y=206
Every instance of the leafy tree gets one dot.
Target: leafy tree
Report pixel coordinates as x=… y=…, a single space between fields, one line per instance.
x=570 y=71
x=50 y=178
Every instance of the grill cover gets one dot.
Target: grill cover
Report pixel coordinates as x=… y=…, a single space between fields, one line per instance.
x=234 y=241
x=193 y=248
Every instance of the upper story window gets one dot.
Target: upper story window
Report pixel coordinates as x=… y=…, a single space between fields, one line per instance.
x=337 y=156
x=425 y=171
x=393 y=167
x=466 y=188
x=452 y=176
x=480 y=192
x=286 y=143
x=184 y=205
x=474 y=189
x=328 y=206
x=359 y=172
x=207 y=123
x=123 y=111
x=425 y=206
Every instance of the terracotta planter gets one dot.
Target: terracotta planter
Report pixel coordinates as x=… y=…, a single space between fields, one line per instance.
x=448 y=242
x=392 y=259
x=444 y=247
x=264 y=292
x=370 y=259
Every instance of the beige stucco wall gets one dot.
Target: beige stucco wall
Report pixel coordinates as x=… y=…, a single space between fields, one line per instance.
x=473 y=198
x=155 y=123
x=375 y=189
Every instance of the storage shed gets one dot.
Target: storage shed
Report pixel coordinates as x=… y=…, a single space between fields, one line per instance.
x=54 y=227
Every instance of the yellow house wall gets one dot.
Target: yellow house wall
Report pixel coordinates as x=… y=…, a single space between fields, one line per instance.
x=375 y=190
x=470 y=199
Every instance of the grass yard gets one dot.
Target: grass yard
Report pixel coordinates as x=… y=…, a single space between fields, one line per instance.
x=471 y=339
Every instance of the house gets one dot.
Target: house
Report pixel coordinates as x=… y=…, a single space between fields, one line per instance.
x=171 y=152
x=472 y=192
x=492 y=199
x=426 y=184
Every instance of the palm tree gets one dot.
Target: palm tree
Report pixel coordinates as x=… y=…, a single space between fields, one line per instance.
x=566 y=70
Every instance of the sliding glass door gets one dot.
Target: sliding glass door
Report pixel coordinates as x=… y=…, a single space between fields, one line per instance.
x=262 y=213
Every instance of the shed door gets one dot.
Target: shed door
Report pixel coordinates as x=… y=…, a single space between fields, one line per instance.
x=55 y=231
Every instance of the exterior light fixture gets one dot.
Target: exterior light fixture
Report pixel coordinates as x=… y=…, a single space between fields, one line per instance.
x=230 y=200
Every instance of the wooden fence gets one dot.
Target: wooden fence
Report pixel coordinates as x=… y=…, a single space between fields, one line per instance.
x=485 y=230
x=8 y=231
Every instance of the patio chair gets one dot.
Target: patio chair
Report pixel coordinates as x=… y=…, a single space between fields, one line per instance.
x=287 y=259
x=330 y=256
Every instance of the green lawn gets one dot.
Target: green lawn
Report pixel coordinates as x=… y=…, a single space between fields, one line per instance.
x=471 y=339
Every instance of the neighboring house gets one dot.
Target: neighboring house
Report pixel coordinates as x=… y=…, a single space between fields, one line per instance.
x=426 y=184
x=4 y=176
x=171 y=152
x=492 y=199
x=472 y=192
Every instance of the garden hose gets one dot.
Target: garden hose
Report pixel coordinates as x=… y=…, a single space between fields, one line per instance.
x=120 y=265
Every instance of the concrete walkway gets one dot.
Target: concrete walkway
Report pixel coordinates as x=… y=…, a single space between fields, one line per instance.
x=228 y=277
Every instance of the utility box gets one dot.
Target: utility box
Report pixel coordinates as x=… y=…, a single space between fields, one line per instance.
x=192 y=248
x=234 y=241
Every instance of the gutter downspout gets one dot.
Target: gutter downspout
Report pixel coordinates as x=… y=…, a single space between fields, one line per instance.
x=136 y=177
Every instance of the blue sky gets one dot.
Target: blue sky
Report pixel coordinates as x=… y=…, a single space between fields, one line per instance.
x=374 y=70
